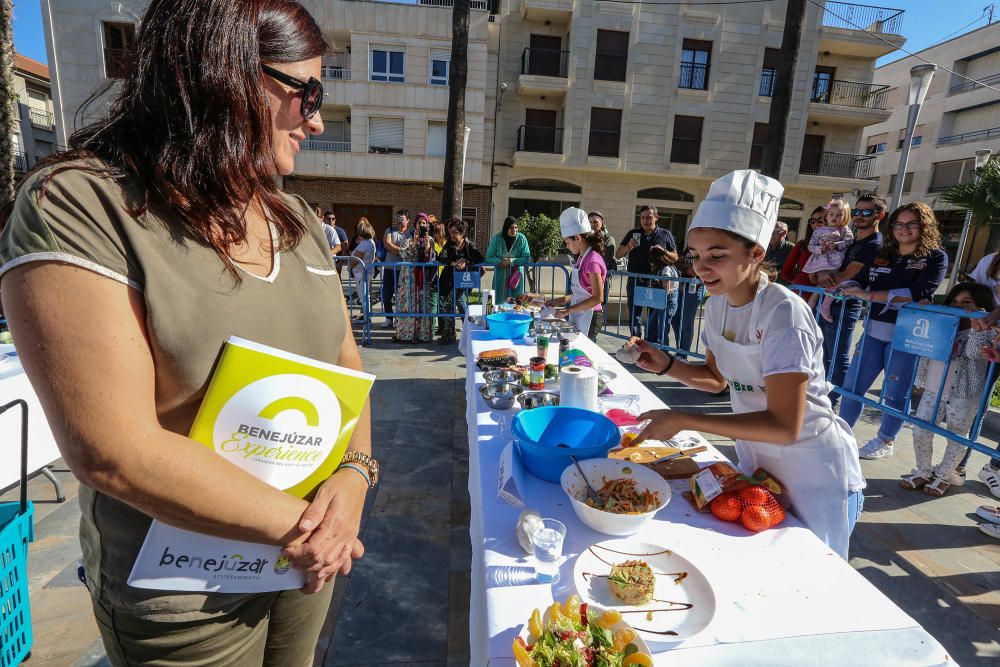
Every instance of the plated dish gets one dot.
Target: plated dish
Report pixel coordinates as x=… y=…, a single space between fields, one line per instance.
x=661 y=594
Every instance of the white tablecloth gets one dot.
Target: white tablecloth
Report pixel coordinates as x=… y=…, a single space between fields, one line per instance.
x=783 y=598
x=42 y=448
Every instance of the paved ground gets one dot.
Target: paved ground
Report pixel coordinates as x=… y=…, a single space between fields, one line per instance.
x=413 y=585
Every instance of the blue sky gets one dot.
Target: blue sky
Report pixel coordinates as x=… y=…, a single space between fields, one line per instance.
x=925 y=22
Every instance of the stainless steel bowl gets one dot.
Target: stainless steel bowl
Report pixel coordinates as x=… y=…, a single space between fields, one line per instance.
x=500 y=376
x=501 y=395
x=537 y=399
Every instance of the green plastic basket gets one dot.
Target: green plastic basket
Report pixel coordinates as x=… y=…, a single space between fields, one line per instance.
x=16 y=531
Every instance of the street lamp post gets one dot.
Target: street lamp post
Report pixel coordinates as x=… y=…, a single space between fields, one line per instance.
x=920 y=81
x=982 y=156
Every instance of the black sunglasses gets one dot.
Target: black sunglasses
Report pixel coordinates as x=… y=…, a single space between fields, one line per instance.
x=312 y=90
x=863 y=212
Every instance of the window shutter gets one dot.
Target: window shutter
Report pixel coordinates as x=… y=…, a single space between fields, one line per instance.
x=435 y=139
x=441 y=54
x=385 y=133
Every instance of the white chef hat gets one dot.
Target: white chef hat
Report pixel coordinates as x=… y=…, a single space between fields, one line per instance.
x=744 y=202
x=574 y=221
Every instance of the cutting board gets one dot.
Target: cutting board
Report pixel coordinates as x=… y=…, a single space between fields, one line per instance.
x=679 y=468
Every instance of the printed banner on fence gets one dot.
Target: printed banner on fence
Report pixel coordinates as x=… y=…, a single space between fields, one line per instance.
x=650 y=297
x=467 y=279
x=925 y=334
x=284 y=419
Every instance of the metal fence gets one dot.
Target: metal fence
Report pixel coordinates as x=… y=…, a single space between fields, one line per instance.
x=850 y=16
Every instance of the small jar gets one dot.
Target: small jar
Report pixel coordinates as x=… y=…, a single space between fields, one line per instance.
x=536 y=373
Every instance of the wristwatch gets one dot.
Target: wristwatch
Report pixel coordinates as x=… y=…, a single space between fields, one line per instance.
x=362 y=459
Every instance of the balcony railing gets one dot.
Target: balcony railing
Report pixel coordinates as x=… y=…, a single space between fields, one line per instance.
x=544 y=62
x=20 y=161
x=993 y=132
x=539 y=139
x=839 y=165
x=768 y=77
x=481 y=5
x=966 y=86
x=42 y=119
x=849 y=93
x=321 y=145
x=604 y=143
x=336 y=72
x=850 y=16
x=694 y=76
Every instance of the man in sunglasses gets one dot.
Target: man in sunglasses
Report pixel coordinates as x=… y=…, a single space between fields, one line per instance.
x=868 y=212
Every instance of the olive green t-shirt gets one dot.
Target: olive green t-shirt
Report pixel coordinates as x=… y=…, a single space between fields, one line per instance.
x=192 y=306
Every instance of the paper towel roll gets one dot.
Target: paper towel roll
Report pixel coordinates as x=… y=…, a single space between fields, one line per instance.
x=578 y=387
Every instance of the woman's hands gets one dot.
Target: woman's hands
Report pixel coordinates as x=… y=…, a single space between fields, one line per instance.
x=651 y=358
x=663 y=425
x=505 y=262
x=330 y=528
x=857 y=292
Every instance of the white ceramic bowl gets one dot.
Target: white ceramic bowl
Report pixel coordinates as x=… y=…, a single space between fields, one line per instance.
x=596 y=470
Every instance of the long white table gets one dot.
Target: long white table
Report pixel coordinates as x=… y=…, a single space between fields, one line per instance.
x=42 y=449
x=783 y=598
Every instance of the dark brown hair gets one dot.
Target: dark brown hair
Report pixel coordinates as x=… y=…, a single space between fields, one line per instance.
x=458 y=225
x=930 y=235
x=981 y=295
x=190 y=126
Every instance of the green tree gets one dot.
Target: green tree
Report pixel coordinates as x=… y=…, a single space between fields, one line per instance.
x=980 y=195
x=8 y=102
x=544 y=237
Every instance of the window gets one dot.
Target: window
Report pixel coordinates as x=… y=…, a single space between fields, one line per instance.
x=686 y=146
x=823 y=84
x=119 y=39
x=916 y=141
x=387 y=65
x=612 y=55
x=517 y=206
x=946 y=174
x=440 y=66
x=757 y=145
x=545 y=185
x=436 y=138
x=875 y=149
x=695 y=60
x=907 y=182
x=605 y=132
x=469 y=218
x=769 y=72
x=667 y=194
x=385 y=135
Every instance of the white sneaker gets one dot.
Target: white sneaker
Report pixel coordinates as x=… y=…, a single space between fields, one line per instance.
x=991 y=529
x=876 y=448
x=991 y=478
x=989 y=512
x=956 y=477
x=387 y=324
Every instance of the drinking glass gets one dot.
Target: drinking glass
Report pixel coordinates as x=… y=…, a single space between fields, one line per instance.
x=547 y=543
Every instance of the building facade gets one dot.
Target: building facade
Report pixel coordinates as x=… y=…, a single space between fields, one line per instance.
x=611 y=106
x=603 y=105
x=957 y=118
x=35 y=125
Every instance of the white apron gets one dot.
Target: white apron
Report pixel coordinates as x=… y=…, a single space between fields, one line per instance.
x=582 y=319
x=812 y=470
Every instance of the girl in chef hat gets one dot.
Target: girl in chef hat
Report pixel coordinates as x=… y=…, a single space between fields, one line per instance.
x=762 y=342
x=587 y=275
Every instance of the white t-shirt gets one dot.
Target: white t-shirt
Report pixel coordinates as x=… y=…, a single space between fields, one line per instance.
x=365 y=251
x=791 y=342
x=979 y=273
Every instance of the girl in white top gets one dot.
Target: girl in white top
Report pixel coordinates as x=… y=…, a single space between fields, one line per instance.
x=763 y=343
x=987 y=272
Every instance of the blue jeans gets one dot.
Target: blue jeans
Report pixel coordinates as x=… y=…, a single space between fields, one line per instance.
x=871 y=357
x=634 y=314
x=388 y=289
x=840 y=357
x=684 y=319
x=658 y=322
x=855 y=505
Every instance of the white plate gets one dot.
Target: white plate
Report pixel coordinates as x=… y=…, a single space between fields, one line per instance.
x=525 y=633
x=685 y=608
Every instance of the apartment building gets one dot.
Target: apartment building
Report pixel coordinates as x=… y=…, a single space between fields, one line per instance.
x=957 y=118
x=384 y=114
x=611 y=106
x=34 y=125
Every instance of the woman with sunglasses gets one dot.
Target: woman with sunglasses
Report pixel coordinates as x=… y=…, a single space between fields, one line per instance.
x=791 y=271
x=127 y=261
x=909 y=267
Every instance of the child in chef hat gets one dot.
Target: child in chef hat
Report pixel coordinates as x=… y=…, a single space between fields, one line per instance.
x=763 y=343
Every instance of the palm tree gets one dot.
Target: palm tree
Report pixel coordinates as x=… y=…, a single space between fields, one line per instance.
x=981 y=195
x=8 y=102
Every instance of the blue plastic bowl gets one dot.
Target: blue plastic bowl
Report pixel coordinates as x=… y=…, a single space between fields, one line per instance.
x=547 y=437
x=508 y=325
